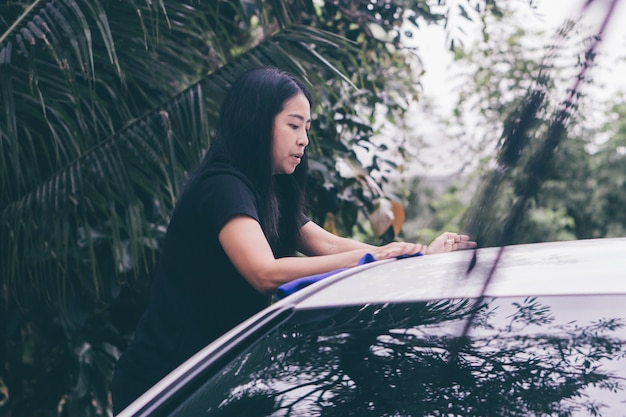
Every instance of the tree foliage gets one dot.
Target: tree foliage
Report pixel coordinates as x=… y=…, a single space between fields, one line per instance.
x=527 y=113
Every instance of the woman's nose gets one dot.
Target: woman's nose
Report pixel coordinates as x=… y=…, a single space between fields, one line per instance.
x=303 y=140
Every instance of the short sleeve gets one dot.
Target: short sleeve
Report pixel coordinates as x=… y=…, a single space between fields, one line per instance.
x=222 y=197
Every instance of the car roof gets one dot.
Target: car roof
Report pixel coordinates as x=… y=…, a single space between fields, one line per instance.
x=590 y=266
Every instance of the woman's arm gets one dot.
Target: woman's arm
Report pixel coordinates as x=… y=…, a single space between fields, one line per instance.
x=248 y=250
x=315 y=241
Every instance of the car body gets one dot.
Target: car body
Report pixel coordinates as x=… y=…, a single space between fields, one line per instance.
x=522 y=330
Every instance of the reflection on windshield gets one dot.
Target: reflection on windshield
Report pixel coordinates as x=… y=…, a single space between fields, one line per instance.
x=522 y=357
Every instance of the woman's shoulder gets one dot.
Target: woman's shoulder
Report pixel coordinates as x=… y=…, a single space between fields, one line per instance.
x=223 y=182
x=218 y=175
x=223 y=186
x=216 y=195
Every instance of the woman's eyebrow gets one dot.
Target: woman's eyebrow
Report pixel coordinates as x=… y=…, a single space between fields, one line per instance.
x=297 y=116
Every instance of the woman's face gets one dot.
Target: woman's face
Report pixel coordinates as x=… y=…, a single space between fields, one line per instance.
x=289 y=135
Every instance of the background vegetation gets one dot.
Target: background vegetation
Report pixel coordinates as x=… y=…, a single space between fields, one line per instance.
x=531 y=131
x=107 y=105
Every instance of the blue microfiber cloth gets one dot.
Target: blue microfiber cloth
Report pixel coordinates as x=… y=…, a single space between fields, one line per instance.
x=299 y=283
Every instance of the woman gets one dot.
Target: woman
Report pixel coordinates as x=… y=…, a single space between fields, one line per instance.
x=235 y=230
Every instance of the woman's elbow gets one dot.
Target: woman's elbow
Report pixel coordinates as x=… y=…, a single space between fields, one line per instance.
x=265 y=288
x=263 y=283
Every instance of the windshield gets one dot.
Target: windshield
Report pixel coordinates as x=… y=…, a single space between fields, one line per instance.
x=522 y=357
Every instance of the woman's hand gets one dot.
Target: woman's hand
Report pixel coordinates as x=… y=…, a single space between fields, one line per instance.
x=449 y=242
x=395 y=249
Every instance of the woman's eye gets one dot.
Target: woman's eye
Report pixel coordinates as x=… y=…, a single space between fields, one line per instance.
x=295 y=127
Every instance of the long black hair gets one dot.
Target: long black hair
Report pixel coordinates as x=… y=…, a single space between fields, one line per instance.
x=244 y=140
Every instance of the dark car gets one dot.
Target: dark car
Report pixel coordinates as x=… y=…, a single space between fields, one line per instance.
x=522 y=330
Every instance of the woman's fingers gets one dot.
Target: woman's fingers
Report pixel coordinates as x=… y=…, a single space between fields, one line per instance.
x=448 y=242
x=464 y=242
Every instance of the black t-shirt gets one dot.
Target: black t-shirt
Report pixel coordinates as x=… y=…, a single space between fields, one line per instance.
x=197 y=294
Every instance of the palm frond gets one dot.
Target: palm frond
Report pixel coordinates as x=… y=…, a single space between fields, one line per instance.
x=71 y=76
